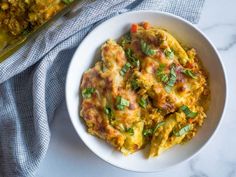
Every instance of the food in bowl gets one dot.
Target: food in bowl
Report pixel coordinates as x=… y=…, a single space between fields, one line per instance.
x=147 y=89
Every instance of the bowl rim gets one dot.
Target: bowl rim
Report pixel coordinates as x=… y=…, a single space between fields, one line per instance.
x=178 y=18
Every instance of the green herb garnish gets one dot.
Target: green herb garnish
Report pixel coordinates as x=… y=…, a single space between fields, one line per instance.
x=148 y=132
x=124 y=69
x=161 y=75
x=130 y=131
x=126 y=39
x=143 y=103
x=188 y=112
x=172 y=80
x=189 y=73
x=146 y=49
x=108 y=111
x=182 y=131
x=134 y=84
x=131 y=58
x=169 y=53
x=160 y=69
x=168 y=88
x=121 y=103
x=151 y=131
x=158 y=125
x=87 y=93
x=164 y=78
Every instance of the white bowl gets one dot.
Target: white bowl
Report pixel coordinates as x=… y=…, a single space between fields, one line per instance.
x=88 y=53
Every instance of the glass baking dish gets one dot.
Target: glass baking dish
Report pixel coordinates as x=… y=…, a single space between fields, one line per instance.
x=7 y=48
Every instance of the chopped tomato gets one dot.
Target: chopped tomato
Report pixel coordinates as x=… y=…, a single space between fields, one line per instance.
x=146 y=25
x=189 y=65
x=134 y=28
x=190 y=120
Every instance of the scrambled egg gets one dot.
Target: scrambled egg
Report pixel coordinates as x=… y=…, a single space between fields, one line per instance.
x=147 y=89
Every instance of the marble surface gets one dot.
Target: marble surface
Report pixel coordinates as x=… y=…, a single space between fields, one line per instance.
x=69 y=157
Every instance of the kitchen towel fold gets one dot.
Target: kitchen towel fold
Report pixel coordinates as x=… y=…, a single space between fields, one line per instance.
x=32 y=81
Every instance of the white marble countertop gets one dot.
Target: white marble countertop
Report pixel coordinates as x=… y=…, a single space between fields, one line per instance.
x=69 y=157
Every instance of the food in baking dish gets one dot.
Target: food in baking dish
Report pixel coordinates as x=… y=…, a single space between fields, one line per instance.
x=146 y=89
x=19 y=17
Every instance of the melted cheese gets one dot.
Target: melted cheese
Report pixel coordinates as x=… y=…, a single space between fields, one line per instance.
x=149 y=103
